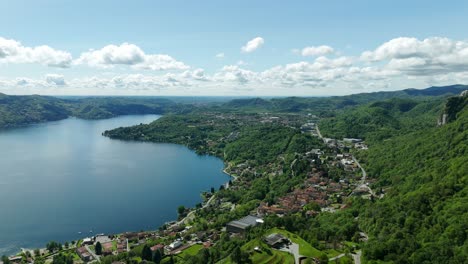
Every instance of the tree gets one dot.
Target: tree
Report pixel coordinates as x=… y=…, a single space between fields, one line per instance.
x=157 y=256
x=240 y=257
x=212 y=189
x=5 y=260
x=323 y=259
x=98 y=248
x=52 y=246
x=62 y=259
x=181 y=210
x=146 y=253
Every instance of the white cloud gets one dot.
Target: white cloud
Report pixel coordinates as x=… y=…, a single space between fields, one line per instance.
x=220 y=55
x=317 y=50
x=253 y=44
x=235 y=74
x=12 y=51
x=197 y=74
x=160 y=62
x=55 y=79
x=396 y=64
x=129 y=54
x=425 y=57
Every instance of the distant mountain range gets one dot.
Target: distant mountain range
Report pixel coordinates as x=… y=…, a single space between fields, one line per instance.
x=21 y=110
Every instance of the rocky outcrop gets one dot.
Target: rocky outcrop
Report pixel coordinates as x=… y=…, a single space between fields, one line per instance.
x=453 y=106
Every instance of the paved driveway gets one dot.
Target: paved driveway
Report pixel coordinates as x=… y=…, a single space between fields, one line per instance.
x=293 y=249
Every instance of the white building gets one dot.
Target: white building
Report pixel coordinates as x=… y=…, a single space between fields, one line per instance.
x=175 y=244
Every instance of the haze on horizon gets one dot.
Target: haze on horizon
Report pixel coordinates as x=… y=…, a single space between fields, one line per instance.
x=234 y=48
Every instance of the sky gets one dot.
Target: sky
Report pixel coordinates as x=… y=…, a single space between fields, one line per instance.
x=232 y=48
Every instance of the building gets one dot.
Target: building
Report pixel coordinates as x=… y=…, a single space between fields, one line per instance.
x=239 y=226
x=157 y=247
x=15 y=259
x=84 y=254
x=87 y=241
x=352 y=140
x=276 y=240
x=175 y=244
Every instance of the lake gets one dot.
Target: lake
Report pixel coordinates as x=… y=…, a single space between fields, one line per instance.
x=61 y=178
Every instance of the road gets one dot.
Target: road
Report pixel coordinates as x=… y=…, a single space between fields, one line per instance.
x=364 y=174
x=337 y=257
x=96 y=257
x=357 y=257
x=318 y=131
x=293 y=249
x=362 y=183
x=189 y=215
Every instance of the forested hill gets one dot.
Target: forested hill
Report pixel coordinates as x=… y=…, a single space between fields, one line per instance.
x=383 y=119
x=22 y=110
x=326 y=105
x=423 y=217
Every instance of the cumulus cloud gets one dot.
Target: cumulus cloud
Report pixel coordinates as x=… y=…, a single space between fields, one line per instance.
x=55 y=79
x=235 y=74
x=317 y=50
x=396 y=64
x=253 y=44
x=12 y=51
x=429 y=56
x=129 y=54
x=220 y=55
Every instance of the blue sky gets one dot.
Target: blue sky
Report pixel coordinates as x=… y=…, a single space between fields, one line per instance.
x=171 y=47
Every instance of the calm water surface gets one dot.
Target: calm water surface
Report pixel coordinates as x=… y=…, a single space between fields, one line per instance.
x=61 y=178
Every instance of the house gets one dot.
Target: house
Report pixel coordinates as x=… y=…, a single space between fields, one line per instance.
x=207 y=244
x=87 y=241
x=84 y=254
x=175 y=244
x=159 y=247
x=352 y=140
x=102 y=239
x=107 y=248
x=15 y=259
x=239 y=226
x=276 y=240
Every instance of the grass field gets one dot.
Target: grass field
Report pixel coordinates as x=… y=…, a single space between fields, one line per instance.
x=305 y=248
x=276 y=257
x=192 y=251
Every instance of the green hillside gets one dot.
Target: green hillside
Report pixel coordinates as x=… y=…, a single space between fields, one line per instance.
x=423 y=218
x=383 y=119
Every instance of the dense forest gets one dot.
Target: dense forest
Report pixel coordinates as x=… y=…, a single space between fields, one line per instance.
x=424 y=216
x=380 y=120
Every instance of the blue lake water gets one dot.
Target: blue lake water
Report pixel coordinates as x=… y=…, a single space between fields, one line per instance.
x=61 y=178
